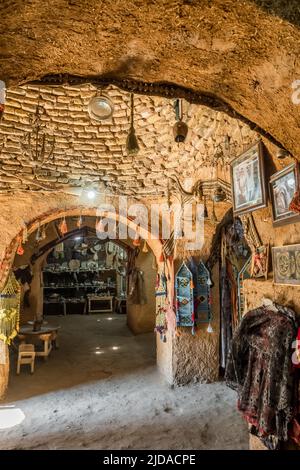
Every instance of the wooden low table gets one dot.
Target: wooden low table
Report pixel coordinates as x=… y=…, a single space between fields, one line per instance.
x=45 y=334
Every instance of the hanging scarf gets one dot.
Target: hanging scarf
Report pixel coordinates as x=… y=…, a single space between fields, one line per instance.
x=9 y=310
x=9 y=324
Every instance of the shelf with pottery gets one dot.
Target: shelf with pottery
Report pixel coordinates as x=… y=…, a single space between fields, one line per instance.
x=77 y=272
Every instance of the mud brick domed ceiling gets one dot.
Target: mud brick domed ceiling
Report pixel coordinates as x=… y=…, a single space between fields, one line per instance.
x=88 y=152
x=244 y=54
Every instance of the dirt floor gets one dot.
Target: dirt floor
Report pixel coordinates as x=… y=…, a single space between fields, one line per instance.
x=101 y=390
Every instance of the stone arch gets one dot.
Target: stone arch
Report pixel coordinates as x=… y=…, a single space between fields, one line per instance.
x=45 y=211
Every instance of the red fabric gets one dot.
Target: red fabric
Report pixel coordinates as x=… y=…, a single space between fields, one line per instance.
x=296 y=355
x=295 y=203
x=295 y=431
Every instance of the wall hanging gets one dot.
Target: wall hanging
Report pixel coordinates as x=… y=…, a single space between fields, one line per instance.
x=202 y=294
x=9 y=310
x=184 y=287
x=161 y=305
x=245 y=273
x=286 y=264
x=260 y=262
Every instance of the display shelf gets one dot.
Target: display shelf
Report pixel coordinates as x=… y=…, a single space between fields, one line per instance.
x=79 y=286
x=72 y=271
x=93 y=277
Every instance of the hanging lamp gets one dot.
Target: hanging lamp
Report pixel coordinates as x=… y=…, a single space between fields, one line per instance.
x=100 y=107
x=132 y=145
x=180 y=128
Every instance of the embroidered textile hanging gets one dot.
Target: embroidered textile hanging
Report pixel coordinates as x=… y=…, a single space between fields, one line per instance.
x=9 y=310
x=184 y=286
x=161 y=305
x=242 y=275
x=202 y=294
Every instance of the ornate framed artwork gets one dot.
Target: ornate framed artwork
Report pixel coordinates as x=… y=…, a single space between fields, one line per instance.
x=283 y=186
x=260 y=262
x=248 y=180
x=286 y=264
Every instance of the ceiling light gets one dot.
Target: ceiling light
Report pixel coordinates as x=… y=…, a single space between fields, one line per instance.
x=180 y=128
x=100 y=108
x=91 y=194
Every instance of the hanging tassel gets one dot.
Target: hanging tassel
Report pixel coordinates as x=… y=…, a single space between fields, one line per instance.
x=25 y=234
x=20 y=249
x=137 y=240
x=192 y=284
x=99 y=226
x=79 y=222
x=209 y=328
x=63 y=228
x=44 y=234
x=145 y=247
x=193 y=330
x=161 y=258
x=38 y=234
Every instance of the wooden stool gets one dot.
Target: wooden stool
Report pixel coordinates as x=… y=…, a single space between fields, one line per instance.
x=54 y=339
x=22 y=339
x=26 y=356
x=47 y=345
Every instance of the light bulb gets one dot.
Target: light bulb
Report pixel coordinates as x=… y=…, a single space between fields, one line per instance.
x=91 y=194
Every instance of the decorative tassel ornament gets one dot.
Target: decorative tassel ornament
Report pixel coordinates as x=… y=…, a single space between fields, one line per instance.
x=136 y=241
x=20 y=249
x=25 y=234
x=161 y=258
x=44 y=233
x=209 y=328
x=132 y=145
x=38 y=234
x=100 y=228
x=63 y=228
x=145 y=247
x=79 y=222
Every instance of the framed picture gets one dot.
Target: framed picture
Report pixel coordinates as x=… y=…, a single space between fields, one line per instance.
x=286 y=264
x=283 y=186
x=260 y=262
x=248 y=180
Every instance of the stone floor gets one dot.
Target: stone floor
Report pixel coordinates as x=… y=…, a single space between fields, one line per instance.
x=101 y=390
